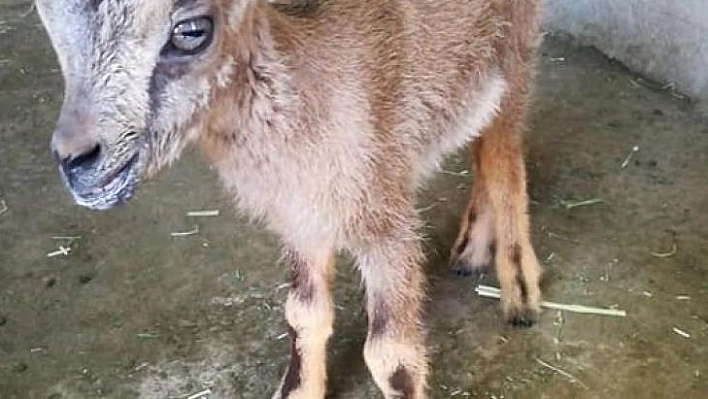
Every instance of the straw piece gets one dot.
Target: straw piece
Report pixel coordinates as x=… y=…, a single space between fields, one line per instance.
x=584 y=309
x=192 y=232
x=62 y=251
x=562 y=372
x=575 y=204
x=200 y=394
x=681 y=332
x=66 y=238
x=462 y=173
x=201 y=214
x=674 y=250
x=493 y=292
x=626 y=161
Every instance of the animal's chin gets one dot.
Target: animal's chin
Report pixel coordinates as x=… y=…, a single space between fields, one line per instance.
x=115 y=189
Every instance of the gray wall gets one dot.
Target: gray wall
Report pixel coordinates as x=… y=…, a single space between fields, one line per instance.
x=666 y=40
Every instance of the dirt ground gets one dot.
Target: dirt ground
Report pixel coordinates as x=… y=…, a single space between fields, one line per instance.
x=132 y=312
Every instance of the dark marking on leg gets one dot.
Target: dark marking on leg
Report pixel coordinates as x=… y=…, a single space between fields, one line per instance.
x=516 y=255
x=493 y=249
x=302 y=286
x=463 y=244
x=520 y=281
x=471 y=218
x=402 y=382
x=459 y=265
x=292 y=378
x=522 y=286
x=379 y=319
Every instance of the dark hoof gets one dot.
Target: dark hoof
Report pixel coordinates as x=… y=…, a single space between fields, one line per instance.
x=462 y=272
x=462 y=268
x=523 y=318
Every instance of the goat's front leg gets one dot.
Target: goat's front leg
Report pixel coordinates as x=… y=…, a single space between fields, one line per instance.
x=395 y=348
x=309 y=311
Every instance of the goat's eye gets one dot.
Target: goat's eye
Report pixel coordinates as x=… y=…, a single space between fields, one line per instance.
x=192 y=35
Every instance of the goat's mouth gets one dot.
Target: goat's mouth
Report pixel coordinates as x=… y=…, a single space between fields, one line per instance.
x=113 y=189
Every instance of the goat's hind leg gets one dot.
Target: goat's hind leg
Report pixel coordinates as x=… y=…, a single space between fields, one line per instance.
x=475 y=245
x=497 y=222
x=309 y=311
x=504 y=173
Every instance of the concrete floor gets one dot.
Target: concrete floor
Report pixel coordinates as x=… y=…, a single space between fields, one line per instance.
x=133 y=312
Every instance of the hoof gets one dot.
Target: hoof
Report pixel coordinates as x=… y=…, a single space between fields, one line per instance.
x=522 y=318
x=464 y=268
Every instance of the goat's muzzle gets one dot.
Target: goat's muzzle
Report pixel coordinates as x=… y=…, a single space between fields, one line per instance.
x=92 y=182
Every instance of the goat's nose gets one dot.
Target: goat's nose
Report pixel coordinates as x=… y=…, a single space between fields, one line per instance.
x=75 y=154
x=85 y=160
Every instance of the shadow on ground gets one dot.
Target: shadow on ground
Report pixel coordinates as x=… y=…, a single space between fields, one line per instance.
x=133 y=312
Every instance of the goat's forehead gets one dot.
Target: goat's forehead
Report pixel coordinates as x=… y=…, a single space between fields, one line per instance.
x=83 y=29
x=111 y=12
x=93 y=6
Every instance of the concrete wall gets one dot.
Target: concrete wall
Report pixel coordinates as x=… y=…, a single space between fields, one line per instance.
x=666 y=40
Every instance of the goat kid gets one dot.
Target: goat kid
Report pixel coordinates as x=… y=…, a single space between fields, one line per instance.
x=322 y=118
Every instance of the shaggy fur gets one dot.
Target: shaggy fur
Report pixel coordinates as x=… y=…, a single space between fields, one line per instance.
x=322 y=118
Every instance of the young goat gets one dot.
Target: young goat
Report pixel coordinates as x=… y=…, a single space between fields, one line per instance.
x=322 y=117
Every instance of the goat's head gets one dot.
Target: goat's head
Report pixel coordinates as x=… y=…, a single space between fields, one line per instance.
x=137 y=73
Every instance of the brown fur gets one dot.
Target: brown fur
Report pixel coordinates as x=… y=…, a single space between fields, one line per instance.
x=322 y=118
